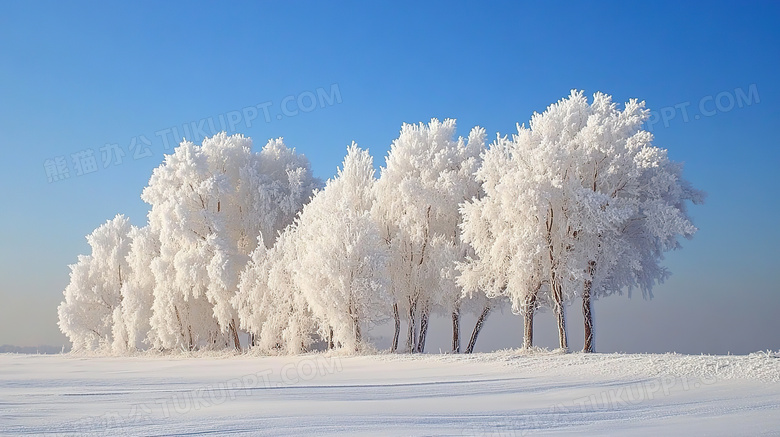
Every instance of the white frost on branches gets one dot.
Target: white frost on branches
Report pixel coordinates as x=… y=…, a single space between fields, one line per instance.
x=428 y=173
x=241 y=248
x=92 y=298
x=341 y=259
x=577 y=204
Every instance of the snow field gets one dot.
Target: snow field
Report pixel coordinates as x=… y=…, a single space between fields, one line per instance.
x=502 y=393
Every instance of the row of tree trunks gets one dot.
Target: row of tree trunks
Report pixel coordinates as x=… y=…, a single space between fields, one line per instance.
x=415 y=342
x=419 y=345
x=588 y=346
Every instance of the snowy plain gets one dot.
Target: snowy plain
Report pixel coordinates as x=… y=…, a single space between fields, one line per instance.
x=506 y=393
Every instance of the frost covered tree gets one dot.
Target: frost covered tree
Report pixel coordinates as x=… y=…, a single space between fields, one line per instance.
x=341 y=260
x=522 y=229
x=428 y=172
x=506 y=235
x=630 y=256
x=630 y=203
x=132 y=330
x=577 y=204
x=209 y=205
x=270 y=305
x=92 y=298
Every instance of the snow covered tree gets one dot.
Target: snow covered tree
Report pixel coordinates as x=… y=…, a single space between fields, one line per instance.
x=341 y=262
x=209 y=205
x=137 y=293
x=183 y=193
x=427 y=174
x=630 y=203
x=506 y=235
x=520 y=229
x=579 y=197
x=255 y=300
x=270 y=305
x=92 y=298
x=579 y=204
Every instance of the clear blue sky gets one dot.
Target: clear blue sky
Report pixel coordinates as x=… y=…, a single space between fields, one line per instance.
x=75 y=77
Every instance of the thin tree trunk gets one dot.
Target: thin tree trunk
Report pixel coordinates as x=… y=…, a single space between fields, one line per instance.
x=410 y=337
x=185 y=336
x=587 y=315
x=397 y=334
x=477 y=328
x=181 y=325
x=528 y=320
x=588 y=318
x=528 y=328
x=456 y=330
x=423 y=330
x=234 y=333
x=556 y=287
x=355 y=324
x=560 y=316
x=416 y=334
x=358 y=335
x=331 y=345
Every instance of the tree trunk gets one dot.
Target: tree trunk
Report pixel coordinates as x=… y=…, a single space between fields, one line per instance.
x=528 y=320
x=397 y=317
x=456 y=331
x=234 y=333
x=588 y=318
x=563 y=342
x=423 y=330
x=191 y=343
x=411 y=337
x=587 y=315
x=358 y=335
x=181 y=325
x=556 y=287
x=416 y=334
x=331 y=346
x=477 y=328
x=528 y=328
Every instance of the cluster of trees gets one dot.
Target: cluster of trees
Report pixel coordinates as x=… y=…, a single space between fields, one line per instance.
x=238 y=244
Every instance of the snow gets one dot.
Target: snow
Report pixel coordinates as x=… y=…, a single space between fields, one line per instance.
x=502 y=393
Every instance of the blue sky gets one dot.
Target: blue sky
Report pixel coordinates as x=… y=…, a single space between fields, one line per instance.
x=76 y=77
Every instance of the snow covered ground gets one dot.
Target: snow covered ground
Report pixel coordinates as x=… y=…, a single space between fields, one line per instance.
x=503 y=393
